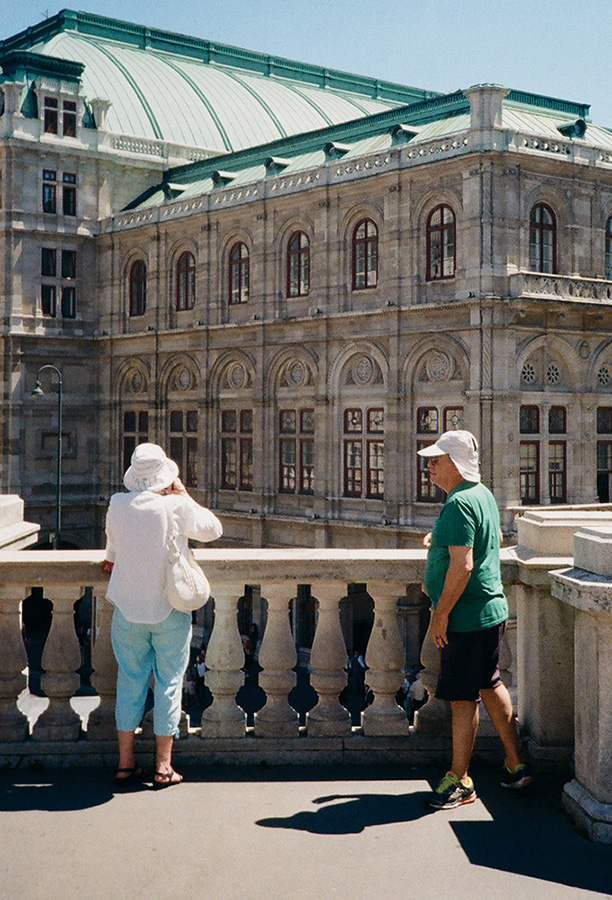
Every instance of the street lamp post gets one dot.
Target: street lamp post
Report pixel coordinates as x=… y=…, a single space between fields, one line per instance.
x=38 y=392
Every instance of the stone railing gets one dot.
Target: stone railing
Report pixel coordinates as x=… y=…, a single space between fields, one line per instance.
x=558 y=631
x=565 y=287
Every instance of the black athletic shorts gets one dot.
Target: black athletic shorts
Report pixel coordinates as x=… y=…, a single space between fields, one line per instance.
x=469 y=663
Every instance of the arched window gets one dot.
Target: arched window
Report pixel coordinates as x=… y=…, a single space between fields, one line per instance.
x=238 y=274
x=365 y=255
x=441 y=243
x=185 y=281
x=542 y=239
x=138 y=288
x=298 y=265
x=609 y=249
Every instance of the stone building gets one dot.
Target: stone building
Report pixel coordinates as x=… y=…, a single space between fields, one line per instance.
x=293 y=278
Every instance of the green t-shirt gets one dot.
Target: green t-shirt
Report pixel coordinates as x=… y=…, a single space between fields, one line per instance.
x=469 y=518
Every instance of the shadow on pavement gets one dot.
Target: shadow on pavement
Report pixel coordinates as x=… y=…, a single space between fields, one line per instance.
x=529 y=834
x=56 y=791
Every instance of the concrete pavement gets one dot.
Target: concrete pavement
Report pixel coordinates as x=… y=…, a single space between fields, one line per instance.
x=288 y=833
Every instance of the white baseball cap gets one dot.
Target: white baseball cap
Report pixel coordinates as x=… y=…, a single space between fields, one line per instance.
x=150 y=469
x=462 y=447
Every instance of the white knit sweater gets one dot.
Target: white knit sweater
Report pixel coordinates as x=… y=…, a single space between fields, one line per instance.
x=136 y=542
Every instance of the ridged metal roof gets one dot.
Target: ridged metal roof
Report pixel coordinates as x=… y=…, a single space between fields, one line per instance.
x=190 y=92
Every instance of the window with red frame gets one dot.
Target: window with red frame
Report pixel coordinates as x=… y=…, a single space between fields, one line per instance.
x=441 y=244
x=138 y=288
x=183 y=442
x=185 y=281
x=237 y=450
x=365 y=255
x=296 y=451
x=542 y=239
x=364 y=453
x=298 y=265
x=238 y=274
x=529 y=472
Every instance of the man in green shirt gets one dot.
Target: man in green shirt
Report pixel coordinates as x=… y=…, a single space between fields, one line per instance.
x=463 y=581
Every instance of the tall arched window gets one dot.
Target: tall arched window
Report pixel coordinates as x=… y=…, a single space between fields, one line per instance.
x=238 y=274
x=138 y=288
x=441 y=243
x=298 y=265
x=609 y=249
x=365 y=255
x=542 y=239
x=185 y=281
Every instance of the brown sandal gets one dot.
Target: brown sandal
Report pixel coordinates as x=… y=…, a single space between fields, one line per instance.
x=135 y=774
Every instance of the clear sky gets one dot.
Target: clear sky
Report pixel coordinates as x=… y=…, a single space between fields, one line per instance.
x=561 y=48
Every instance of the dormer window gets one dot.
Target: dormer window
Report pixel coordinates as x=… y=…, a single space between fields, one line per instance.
x=52 y=118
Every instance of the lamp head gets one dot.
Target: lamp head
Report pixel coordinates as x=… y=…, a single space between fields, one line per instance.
x=38 y=391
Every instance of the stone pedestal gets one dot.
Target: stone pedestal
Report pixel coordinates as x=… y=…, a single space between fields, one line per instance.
x=587 y=590
x=101 y=724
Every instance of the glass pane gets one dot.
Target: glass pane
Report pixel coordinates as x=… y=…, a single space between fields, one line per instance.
x=352 y=421
x=176 y=420
x=143 y=422
x=376 y=420
x=453 y=418
x=129 y=421
x=228 y=463
x=192 y=420
x=307 y=421
x=529 y=420
x=556 y=420
x=246 y=421
x=229 y=420
x=287 y=421
x=604 y=420
x=427 y=420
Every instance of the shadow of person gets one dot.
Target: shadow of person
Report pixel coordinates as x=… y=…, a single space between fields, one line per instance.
x=55 y=791
x=353 y=813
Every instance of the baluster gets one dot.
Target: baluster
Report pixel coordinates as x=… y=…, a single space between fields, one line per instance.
x=435 y=717
x=61 y=658
x=327 y=659
x=278 y=657
x=101 y=725
x=224 y=660
x=13 y=659
x=385 y=657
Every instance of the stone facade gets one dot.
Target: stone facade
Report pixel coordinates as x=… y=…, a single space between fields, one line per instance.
x=299 y=417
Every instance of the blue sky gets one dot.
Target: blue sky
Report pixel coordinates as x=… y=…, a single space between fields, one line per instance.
x=562 y=48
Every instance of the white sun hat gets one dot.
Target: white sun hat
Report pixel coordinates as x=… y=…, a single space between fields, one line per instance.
x=462 y=447
x=150 y=469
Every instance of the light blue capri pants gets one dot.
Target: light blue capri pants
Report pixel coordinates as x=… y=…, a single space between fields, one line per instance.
x=141 y=649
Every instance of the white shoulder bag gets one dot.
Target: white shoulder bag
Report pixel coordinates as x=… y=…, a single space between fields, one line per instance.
x=187 y=586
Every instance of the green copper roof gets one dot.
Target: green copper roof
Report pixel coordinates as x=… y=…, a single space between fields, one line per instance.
x=199 y=94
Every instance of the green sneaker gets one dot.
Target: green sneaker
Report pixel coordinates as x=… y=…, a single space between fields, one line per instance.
x=452 y=792
x=516 y=779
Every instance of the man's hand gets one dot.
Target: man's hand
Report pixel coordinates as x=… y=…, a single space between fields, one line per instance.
x=438 y=627
x=107 y=567
x=427 y=540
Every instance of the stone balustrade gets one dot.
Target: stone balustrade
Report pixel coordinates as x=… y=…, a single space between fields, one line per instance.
x=562 y=638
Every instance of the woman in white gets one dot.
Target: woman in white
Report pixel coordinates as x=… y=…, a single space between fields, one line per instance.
x=148 y=635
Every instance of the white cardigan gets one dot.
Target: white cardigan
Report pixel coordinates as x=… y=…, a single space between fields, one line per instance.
x=136 y=536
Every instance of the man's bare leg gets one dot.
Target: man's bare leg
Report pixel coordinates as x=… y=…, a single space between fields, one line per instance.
x=499 y=707
x=465 y=726
x=164 y=773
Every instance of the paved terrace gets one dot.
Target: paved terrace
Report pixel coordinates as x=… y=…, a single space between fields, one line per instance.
x=289 y=833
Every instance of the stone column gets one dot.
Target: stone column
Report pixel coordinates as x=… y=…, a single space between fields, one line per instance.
x=327 y=659
x=385 y=657
x=278 y=657
x=61 y=658
x=587 y=589
x=13 y=659
x=101 y=724
x=545 y=637
x=224 y=660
